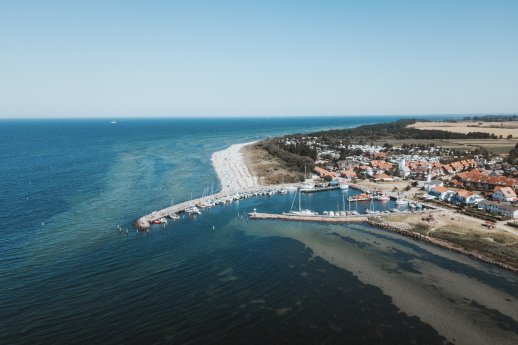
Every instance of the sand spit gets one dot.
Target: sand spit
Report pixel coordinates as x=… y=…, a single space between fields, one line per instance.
x=230 y=167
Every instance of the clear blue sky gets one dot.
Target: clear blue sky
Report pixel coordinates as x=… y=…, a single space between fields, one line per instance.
x=213 y=58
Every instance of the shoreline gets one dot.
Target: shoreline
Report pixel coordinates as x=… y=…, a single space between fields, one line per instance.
x=231 y=169
x=448 y=219
x=235 y=177
x=440 y=244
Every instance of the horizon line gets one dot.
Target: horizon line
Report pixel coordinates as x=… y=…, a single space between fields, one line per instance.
x=142 y=117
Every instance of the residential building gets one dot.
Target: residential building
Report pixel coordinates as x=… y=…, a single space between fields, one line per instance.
x=346 y=164
x=382 y=177
x=477 y=180
x=348 y=174
x=323 y=172
x=504 y=194
x=442 y=193
x=502 y=209
x=466 y=198
x=429 y=185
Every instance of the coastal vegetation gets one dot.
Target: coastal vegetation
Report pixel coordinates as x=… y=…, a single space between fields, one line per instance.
x=298 y=157
x=491 y=118
x=394 y=130
x=269 y=169
x=298 y=151
x=513 y=155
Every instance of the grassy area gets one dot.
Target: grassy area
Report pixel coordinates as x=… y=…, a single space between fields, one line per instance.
x=466 y=233
x=268 y=169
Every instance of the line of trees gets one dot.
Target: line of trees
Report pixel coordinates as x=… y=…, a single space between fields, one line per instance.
x=513 y=155
x=491 y=118
x=394 y=130
x=293 y=160
x=299 y=148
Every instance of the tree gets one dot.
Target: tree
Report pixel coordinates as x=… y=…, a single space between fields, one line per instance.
x=513 y=155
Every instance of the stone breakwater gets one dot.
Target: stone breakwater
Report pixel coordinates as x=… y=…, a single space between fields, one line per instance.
x=234 y=178
x=308 y=218
x=144 y=222
x=439 y=243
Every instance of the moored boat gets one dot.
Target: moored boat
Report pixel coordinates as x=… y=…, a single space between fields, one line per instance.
x=359 y=197
x=173 y=216
x=193 y=210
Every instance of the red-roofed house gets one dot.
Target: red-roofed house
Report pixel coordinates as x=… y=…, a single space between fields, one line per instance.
x=504 y=194
x=382 y=177
x=323 y=172
x=441 y=193
x=477 y=180
x=380 y=155
x=348 y=174
x=382 y=165
x=465 y=197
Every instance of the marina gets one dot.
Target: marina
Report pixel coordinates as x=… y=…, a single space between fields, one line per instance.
x=193 y=206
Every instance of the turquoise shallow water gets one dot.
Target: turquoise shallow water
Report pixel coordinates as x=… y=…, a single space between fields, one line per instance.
x=68 y=276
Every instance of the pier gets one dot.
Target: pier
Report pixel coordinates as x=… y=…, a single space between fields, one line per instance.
x=318 y=189
x=309 y=218
x=144 y=222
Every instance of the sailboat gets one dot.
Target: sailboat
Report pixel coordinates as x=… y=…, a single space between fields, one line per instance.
x=300 y=210
x=371 y=211
x=173 y=215
x=192 y=209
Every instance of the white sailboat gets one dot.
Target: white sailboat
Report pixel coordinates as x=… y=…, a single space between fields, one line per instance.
x=300 y=210
x=173 y=215
x=192 y=209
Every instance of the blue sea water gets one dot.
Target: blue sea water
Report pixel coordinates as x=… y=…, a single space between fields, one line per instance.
x=67 y=275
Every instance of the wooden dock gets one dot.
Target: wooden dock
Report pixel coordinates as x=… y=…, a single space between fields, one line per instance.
x=309 y=218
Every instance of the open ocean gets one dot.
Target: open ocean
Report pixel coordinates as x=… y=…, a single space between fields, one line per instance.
x=68 y=276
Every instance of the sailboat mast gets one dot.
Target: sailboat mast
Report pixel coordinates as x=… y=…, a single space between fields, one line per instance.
x=299 y=201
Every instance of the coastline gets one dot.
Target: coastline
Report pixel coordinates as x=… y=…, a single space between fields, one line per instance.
x=482 y=245
x=231 y=169
x=236 y=176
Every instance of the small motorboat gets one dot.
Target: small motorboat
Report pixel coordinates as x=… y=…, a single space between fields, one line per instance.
x=193 y=210
x=174 y=216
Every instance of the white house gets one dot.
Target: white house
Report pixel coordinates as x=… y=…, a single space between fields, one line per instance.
x=504 y=194
x=467 y=198
x=429 y=185
x=503 y=209
x=441 y=193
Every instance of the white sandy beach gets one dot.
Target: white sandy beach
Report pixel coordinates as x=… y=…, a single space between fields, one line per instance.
x=231 y=169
